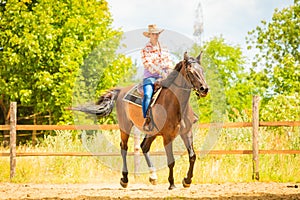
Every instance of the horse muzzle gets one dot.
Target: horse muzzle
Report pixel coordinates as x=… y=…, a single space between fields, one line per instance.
x=202 y=92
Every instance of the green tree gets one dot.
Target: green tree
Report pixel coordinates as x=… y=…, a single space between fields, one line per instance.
x=47 y=45
x=276 y=69
x=278 y=54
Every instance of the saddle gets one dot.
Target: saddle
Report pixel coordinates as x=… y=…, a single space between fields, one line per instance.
x=135 y=95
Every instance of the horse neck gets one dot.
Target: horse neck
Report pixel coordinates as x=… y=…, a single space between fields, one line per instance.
x=181 y=88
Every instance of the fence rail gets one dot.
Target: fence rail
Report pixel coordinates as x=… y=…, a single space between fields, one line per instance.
x=158 y=153
x=116 y=127
x=255 y=124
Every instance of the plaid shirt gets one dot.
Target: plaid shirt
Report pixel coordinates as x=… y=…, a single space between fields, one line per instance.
x=156 y=61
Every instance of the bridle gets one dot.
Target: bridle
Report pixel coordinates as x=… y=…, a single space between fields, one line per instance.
x=191 y=77
x=186 y=86
x=190 y=85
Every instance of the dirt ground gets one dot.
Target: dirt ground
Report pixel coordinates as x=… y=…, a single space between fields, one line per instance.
x=247 y=191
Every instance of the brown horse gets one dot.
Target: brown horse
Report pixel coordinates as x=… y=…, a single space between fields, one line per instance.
x=171 y=116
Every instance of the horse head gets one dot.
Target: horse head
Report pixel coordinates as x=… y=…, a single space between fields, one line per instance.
x=195 y=74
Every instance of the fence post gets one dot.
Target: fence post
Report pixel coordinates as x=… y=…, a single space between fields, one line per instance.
x=13 y=124
x=255 y=125
x=33 y=138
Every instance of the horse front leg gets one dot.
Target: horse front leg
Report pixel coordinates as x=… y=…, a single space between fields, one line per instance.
x=171 y=162
x=124 y=148
x=188 y=141
x=145 y=145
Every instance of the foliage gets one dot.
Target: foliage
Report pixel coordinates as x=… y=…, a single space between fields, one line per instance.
x=275 y=72
x=45 y=45
x=276 y=68
x=276 y=65
x=281 y=108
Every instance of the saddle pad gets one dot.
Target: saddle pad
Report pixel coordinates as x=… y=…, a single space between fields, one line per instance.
x=135 y=96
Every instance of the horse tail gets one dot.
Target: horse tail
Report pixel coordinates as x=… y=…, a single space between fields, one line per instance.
x=106 y=102
x=103 y=106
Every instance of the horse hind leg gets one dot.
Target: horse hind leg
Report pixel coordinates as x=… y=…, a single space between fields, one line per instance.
x=124 y=148
x=145 y=145
x=188 y=141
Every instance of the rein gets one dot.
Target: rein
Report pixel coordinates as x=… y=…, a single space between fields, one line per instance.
x=181 y=87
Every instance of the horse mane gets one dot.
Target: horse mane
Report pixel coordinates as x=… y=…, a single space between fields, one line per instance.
x=171 y=77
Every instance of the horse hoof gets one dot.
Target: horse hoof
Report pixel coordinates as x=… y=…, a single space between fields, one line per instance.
x=153 y=181
x=185 y=184
x=123 y=184
x=172 y=187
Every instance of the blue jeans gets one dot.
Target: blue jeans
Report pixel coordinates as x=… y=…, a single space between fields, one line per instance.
x=148 y=87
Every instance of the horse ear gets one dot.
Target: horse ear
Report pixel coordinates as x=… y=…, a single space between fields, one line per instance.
x=199 y=57
x=185 y=56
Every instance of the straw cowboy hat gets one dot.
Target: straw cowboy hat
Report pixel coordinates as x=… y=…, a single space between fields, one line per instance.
x=152 y=29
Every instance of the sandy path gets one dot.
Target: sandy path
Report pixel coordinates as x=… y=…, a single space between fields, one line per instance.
x=142 y=191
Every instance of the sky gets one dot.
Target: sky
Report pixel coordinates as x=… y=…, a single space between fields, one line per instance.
x=231 y=19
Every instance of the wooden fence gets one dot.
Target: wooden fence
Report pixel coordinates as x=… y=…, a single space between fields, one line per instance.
x=255 y=124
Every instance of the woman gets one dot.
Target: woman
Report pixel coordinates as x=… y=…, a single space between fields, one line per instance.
x=157 y=64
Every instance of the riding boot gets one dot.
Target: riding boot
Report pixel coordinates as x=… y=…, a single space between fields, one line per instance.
x=147 y=123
